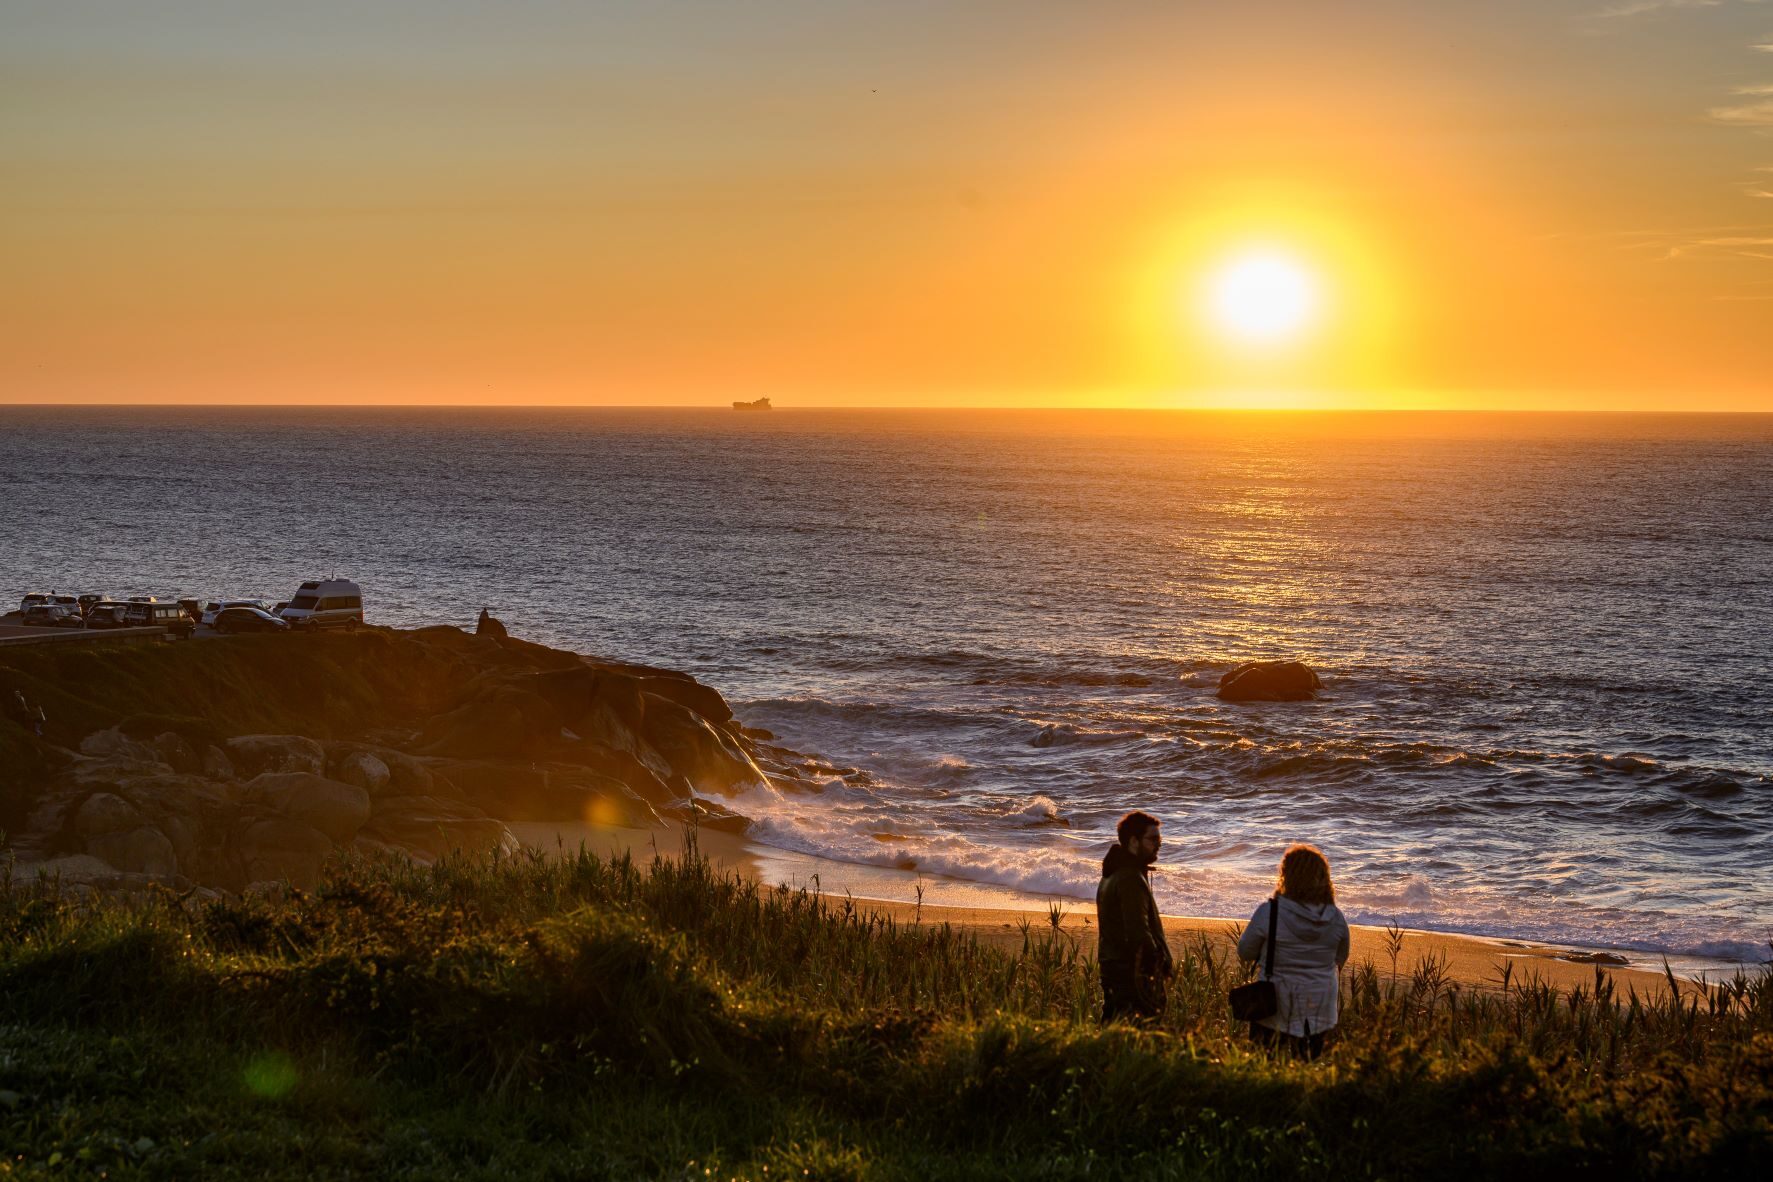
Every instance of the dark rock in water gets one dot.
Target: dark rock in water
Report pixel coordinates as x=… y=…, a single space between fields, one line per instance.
x=1612 y=958
x=488 y=625
x=1270 y=681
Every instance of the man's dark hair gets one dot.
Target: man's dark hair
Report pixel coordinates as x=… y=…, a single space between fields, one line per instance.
x=1135 y=825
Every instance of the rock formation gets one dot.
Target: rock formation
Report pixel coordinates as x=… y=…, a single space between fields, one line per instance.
x=1270 y=681
x=249 y=761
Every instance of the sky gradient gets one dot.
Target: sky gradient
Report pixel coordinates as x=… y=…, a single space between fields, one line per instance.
x=1509 y=204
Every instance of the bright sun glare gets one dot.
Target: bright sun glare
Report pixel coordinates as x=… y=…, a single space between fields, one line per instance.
x=1262 y=298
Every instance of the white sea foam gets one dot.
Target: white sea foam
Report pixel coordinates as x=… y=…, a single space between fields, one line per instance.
x=1039 y=811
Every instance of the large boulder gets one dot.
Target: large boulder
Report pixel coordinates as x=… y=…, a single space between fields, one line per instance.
x=142 y=850
x=253 y=754
x=366 y=771
x=707 y=814
x=505 y=723
x=696 y=749
x=1270 y=681
x=687 y=691
x=602 y=708
x=113 y=744
x=174 y=750
x=105 y=812
x=216 y=764
x=626 y=768
x=429 y=828
x=336 y=809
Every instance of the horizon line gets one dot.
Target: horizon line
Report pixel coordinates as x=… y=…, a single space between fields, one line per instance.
x=697 y=406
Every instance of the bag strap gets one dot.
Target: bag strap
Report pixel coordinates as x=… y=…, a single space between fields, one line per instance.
x=1273 y=915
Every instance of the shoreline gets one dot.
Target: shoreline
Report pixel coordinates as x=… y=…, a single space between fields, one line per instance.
x=1003 y=917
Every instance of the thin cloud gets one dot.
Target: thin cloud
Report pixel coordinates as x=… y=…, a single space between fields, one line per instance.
x=1749 y=115
x=1746 y=246
x=1633 y=8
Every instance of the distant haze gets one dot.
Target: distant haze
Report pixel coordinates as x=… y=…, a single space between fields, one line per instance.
x=1507 y=203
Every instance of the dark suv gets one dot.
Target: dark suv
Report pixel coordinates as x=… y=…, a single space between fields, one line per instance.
x=169 y=616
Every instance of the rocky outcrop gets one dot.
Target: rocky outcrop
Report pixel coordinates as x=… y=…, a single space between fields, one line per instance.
x=1270 y=681
x=334 y=808
x=253 y=754
x=418 y=743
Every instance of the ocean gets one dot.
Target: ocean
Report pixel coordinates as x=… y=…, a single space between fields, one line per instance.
x=1545 y=639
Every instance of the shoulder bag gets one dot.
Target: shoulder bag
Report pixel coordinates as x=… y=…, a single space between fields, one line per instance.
x=1258 y=1000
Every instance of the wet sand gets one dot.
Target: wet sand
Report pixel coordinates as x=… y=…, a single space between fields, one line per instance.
x=998 y=915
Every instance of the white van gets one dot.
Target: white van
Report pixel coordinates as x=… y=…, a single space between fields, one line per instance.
x=325 y=603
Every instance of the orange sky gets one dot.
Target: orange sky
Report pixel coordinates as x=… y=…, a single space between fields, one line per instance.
x=1505 y=204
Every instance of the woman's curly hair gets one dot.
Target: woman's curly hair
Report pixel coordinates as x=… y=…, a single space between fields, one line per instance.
x=1305 y=875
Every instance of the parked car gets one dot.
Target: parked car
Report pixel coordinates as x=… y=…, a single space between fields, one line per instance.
x=38 y=599
x=52 y=615
x=213 y=607
x=247 y=619
x=325 y=603
x=107 y=613
x=192 y=608
x=139 y=614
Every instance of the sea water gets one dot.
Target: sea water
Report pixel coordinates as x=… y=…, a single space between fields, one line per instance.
x=1546 y=640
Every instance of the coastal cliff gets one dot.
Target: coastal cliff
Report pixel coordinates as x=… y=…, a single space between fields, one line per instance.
x=250 y=760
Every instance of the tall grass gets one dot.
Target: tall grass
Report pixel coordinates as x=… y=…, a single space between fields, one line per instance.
x=582 y=1016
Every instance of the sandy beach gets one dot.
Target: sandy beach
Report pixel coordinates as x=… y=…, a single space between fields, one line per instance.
x=999 y=916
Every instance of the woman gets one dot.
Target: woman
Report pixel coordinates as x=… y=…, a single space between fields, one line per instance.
x=1310 y=948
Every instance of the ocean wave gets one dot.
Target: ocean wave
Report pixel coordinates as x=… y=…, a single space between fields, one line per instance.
x=1085 y=679
x=884 y=834
x=1039 y=811
x=1058 y=734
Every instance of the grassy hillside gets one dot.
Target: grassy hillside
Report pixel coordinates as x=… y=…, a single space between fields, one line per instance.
x=586 y=1018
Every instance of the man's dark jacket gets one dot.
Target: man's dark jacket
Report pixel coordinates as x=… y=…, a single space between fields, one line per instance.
x=1131 y=934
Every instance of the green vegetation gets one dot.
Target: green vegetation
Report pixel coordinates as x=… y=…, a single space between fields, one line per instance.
x=587 y=1018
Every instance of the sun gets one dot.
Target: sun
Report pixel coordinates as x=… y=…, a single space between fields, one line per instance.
x=1262 y=297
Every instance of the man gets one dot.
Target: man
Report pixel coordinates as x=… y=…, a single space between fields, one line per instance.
x=1133 y=955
